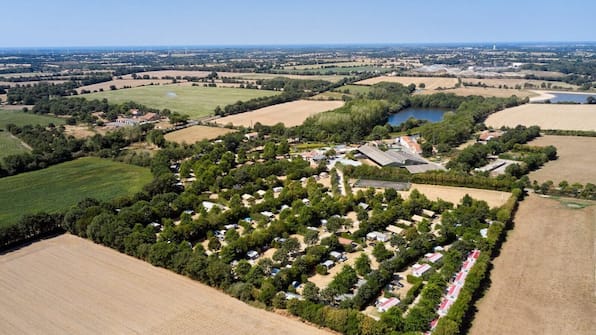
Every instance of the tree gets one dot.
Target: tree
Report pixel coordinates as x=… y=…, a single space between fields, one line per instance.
x=311 y=292
x=311 y=237
x=269 y=151
x=362 y=264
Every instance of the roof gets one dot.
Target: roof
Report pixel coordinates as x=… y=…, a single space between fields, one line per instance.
x=385 y=305
x=344 y=241
x=419 y=269
x=394 y=229
x=420 y=168
x=417 y=218
x=433 y=258
x=428 y=212
x=390 y=157
x=411 y=144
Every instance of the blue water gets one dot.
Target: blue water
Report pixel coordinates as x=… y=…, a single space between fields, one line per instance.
x=571 y=97
x=429 y=114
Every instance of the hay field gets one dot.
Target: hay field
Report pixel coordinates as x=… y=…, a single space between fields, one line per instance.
x=455 y=194
x=68 y=285
x=290 y=113
x=543 y=280
x=63 y=185
x=511 y=82
x=547 y=116
x=196 y=101
x=121 y=83
x=196 y=133
x=432 y=83
x=169 y=73
x=484 y=92
x=576 y=162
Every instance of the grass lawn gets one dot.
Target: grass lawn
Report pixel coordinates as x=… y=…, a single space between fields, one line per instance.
x=10 y=145
x=63 y=185
x=21 y=118
x=196 y=101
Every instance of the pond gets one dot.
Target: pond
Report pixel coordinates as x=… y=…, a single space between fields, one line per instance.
x=429 y=114
x=569 y=97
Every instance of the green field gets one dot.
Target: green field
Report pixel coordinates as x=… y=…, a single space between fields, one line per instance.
x=10 y=145
x=21 y=118
x=61 y=186
x=196 y=101
x=354 y=89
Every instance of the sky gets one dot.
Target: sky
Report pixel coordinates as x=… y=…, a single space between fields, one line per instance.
x=84 y=23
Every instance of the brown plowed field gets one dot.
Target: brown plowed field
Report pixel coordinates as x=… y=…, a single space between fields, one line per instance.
x=68 y=285
x=543 y=281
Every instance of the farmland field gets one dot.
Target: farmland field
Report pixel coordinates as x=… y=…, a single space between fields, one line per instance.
x=63 y=185
x=455 y=194
x=512 y=82
x=10 y=145
x=239 y=75
x=290 y=113
x=196 y=133
x=121 y=83
x=196 y=101
x=576 y=161
x=362 y=89
x=20 y=119
x=543 y=280
x=484 y=92
x=547 y=116
x=431 y=83
x=68 y=285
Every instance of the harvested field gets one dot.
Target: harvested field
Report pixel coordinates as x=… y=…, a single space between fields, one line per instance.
x=196 y=133
x=455 y=194
x=485 y=92
x=169 y=73
x=431 y=83
x=122 y=83
x=68 y=285
x=547 y=116
x=290 y=113
x=196 y=101
x=543 y=281
x=512 y=82
x=575 y=163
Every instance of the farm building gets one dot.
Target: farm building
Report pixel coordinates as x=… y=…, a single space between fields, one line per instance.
x=390 y=157
x=409 y=143
x=386 y=303
x=488 y=135
x=420 y=269
x=420 y=168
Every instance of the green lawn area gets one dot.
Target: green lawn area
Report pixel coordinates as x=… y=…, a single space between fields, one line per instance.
x=10 y=145
x=21 y=118
x=196 y=101
x=63 y=185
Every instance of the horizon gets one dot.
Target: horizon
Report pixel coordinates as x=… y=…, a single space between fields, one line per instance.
x=150 y=23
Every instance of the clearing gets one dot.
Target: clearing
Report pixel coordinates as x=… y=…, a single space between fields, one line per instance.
x=431 y=83
x=68 y=285
x=290 y=113
x=196 y=101
x=543 y=281
x=576 y=162
x=196 y=133
x=21 y=118
x=455 y=194
x=63 y=185
x=547 y=116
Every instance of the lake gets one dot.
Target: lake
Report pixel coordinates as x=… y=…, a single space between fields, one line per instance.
x=570 y=97
x=429 y=114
